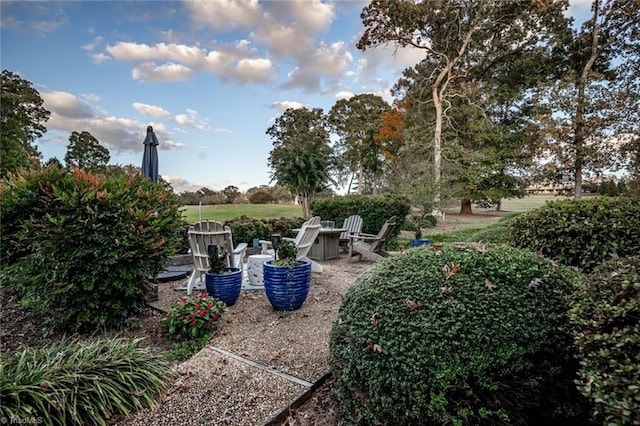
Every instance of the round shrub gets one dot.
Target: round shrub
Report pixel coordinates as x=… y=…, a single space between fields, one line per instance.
x=80 y=247
x=496 y=233
x=245 y=229
x=460 y=334
x=581 y=233
x=606 y=313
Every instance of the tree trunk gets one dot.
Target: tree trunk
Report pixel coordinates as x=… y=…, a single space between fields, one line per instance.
x=465 y=206
x=304 y=203
x=578 y=137
x=360 y=178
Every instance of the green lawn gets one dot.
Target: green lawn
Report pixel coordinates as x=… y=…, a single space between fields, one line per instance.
x=224 y=212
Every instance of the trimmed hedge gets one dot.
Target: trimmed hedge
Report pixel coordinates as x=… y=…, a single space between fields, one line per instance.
x=71 y=383
x=245 y=229
x=606 y=315
x=79 y=247
x=374 y=210
x=460 y=334
x=581 y=233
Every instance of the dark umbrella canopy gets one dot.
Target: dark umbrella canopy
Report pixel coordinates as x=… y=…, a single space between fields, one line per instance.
x=150 y=157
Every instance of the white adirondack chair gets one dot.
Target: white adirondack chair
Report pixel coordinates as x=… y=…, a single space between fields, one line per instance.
x=303 y=241
x=201 y=236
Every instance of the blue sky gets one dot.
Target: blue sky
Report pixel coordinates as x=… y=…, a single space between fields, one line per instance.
x=210 y=76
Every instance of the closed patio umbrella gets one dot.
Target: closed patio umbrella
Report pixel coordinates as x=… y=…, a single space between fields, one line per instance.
x=150 y=157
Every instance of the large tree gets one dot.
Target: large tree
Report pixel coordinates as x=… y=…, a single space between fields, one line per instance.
x=592 y=116
x=457 y=37
x=84 y=151
x=301 y=158
x=356 y=121
x=22 y=119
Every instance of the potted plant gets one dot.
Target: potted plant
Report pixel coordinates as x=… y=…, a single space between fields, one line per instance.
x=418 y=241
x=286 y=279
x=222 y=282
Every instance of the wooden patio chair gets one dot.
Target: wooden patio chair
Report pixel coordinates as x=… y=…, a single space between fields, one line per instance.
x=352 y=225
x=372 y=246
x=201 y=236
x=303 y=241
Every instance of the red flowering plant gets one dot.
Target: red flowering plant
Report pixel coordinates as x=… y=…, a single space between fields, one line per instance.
x=194 y=316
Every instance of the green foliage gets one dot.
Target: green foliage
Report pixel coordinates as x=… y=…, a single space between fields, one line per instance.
x=581 y=233
x=85 y=151
x=496 y=233
x=245 y=229
x=606 y=315
x=22 y=119
x=465 y=334
x=71 y=383
x=284 y=226
x=217 y=259
x=79 y=247
x=373 y=210
x=301 y=156
x=460 y=235
x=194 y=317
x=186 y=349
x=286 y=254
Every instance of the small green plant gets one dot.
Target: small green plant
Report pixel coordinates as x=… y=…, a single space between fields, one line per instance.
x=185 y=350
x=286 y=254
x=194 y=316
x=79 y=383
x=217 y=259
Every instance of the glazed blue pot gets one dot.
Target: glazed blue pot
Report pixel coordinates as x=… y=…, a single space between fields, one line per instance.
x=418 y=243
x=287 y=287
x=225 y=287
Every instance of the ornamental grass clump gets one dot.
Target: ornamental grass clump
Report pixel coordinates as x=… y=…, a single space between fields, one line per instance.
x=80 y=383
x=606 y=315
x=457 y=334
x=194 y=317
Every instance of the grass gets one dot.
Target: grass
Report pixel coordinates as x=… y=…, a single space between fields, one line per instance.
x=225 y=212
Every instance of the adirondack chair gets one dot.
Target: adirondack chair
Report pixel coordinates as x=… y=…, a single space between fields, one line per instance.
x=352 y=225
x=201 y=236
x=303 y=241
x=372 y=246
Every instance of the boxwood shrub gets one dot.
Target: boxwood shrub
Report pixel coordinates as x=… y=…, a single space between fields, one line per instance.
x=81 y=247
x=581 y=233
x=606 y=315
x=457 y=334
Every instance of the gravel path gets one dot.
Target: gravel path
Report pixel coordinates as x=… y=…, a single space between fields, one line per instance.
x=260 y=361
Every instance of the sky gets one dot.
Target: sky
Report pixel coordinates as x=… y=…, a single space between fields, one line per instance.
x=210 y=76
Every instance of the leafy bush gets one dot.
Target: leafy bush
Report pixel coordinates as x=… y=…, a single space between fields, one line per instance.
x=373 y=210
x=460 y=334
x=496 y=233
x=73 y=383
x=606 y=313
x=245 y=229
x=194 y=317
x=581 y=233
x=79 y=247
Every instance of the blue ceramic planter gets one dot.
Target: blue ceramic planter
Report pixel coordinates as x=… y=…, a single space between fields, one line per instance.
x=287 y=287
x=418 y=243
x=225 y=287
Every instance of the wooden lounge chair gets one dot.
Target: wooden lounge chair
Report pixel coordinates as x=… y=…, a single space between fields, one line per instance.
x=201 y=236
x=372 y=246
x=303 y=241
x=353 y=225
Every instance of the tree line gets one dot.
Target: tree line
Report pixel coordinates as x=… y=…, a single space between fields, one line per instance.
x=508 y=93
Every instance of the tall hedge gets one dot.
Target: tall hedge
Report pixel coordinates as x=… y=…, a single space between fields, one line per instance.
x=374 y=210
x=606 y=316
x=457 y=335
x=79 y=247
x=581 y=233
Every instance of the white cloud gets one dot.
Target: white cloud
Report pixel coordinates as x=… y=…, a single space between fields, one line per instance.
x=256 y=70
x=151 y=110
x=66 y=105
x=344 y=95
x=90 y=46
x=285 y=105
x=98 y=58
x=193 y=119
x=150 y=72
